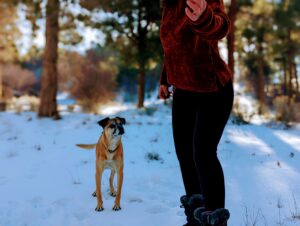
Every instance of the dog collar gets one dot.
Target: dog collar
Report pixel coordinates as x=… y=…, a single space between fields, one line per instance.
x=109 y=150
x=112 y=151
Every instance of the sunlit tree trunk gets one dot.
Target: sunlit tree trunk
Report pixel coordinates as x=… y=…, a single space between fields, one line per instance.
x=261 y=86
x=48 y=104
x=284 y=85
x=1 y=83
x=2 y=101
x=295 y=72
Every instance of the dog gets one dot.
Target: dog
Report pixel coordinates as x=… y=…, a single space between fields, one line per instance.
x=109 y=154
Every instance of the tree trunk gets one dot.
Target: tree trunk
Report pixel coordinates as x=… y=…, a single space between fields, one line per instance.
x=290 y=69
x=141 y=76
x=232 y=13
x=48 y=105
x=261 y=76
x=261 y=86
x=284 y=78
x=290 y=78
x=2 y=101
x=141 y=88
x=296 y=79
x=141 y=45
x=1 y=82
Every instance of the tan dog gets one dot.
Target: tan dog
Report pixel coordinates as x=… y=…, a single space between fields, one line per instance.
x=109 y=154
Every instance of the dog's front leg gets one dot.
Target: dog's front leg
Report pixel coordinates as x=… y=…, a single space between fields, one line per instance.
x=111 y=183
x=119 y=189
x=99 y=172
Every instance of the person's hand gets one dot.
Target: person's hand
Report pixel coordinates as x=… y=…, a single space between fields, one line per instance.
x=195 y=8
x=164 y=92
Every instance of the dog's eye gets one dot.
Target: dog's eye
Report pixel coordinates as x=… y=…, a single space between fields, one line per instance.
x=112 y=126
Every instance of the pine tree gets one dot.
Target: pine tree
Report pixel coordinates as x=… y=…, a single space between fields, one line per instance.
x=48 y=104
x=233 y=11
x=8 y=36
x=133 y=26
x=286 y=44
x=258 y=27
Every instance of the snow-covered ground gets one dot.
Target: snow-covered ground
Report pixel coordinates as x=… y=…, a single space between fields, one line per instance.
x=45 y=180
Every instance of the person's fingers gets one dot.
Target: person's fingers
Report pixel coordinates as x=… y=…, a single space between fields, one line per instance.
x=195 y=8
x=164 y=92
x=193 y=5
x=190 y=14
x=161 y=93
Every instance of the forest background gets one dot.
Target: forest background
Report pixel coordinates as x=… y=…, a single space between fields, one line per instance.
x=94 y=50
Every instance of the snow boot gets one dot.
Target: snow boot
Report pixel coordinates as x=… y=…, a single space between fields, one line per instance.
x=217 y=217
x=190 y=203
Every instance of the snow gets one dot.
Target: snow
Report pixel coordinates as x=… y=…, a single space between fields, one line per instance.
x=45 y=180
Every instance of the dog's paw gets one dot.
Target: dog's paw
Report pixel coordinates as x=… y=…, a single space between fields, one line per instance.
x=117 y=207
x=113 y=194
x=99 y=208
x=94 y=194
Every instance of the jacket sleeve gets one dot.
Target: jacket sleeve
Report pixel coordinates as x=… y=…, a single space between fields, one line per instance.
x=213 y=24
x=163 y=77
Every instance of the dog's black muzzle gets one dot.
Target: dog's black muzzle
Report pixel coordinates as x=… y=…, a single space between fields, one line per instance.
x=121 y=130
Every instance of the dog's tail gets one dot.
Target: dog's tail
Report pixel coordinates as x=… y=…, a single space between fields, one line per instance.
x=86 y=146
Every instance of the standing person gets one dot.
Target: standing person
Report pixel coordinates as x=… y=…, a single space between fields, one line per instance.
x=202 y=101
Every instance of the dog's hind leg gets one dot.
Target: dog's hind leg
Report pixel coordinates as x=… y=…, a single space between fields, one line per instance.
x=111 y=183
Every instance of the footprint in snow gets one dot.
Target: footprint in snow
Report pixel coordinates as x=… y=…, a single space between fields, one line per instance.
x=80 y=215
x=62 y=202
x=135 y=200
x=156 y=209
x=36 y=202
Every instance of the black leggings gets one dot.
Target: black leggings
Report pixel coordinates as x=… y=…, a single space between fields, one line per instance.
x=198 y=123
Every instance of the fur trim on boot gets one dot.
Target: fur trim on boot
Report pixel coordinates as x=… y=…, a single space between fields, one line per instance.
x=218 y=217
x=190 y=203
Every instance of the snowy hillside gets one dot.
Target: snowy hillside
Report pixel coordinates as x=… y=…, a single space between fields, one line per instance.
x=45 y=180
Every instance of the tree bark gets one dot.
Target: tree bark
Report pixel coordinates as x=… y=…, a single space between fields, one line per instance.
x=284 y=85
x=232 y=14
x=48 y=104
x=141 y=88
x=296 y=79
x=261 y=74
x=141 y=78
x=141 y=45
x=1 y=82
x=2 y=101
x=261 y=86
x=290 y=69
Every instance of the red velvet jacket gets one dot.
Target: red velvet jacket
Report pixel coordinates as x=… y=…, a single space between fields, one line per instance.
x=191 y=55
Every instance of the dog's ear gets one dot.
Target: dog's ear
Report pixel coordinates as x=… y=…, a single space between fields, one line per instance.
x=123 y=120
x=103 y=122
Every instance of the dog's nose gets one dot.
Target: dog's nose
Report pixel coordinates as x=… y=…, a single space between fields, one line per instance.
x=121 y=130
